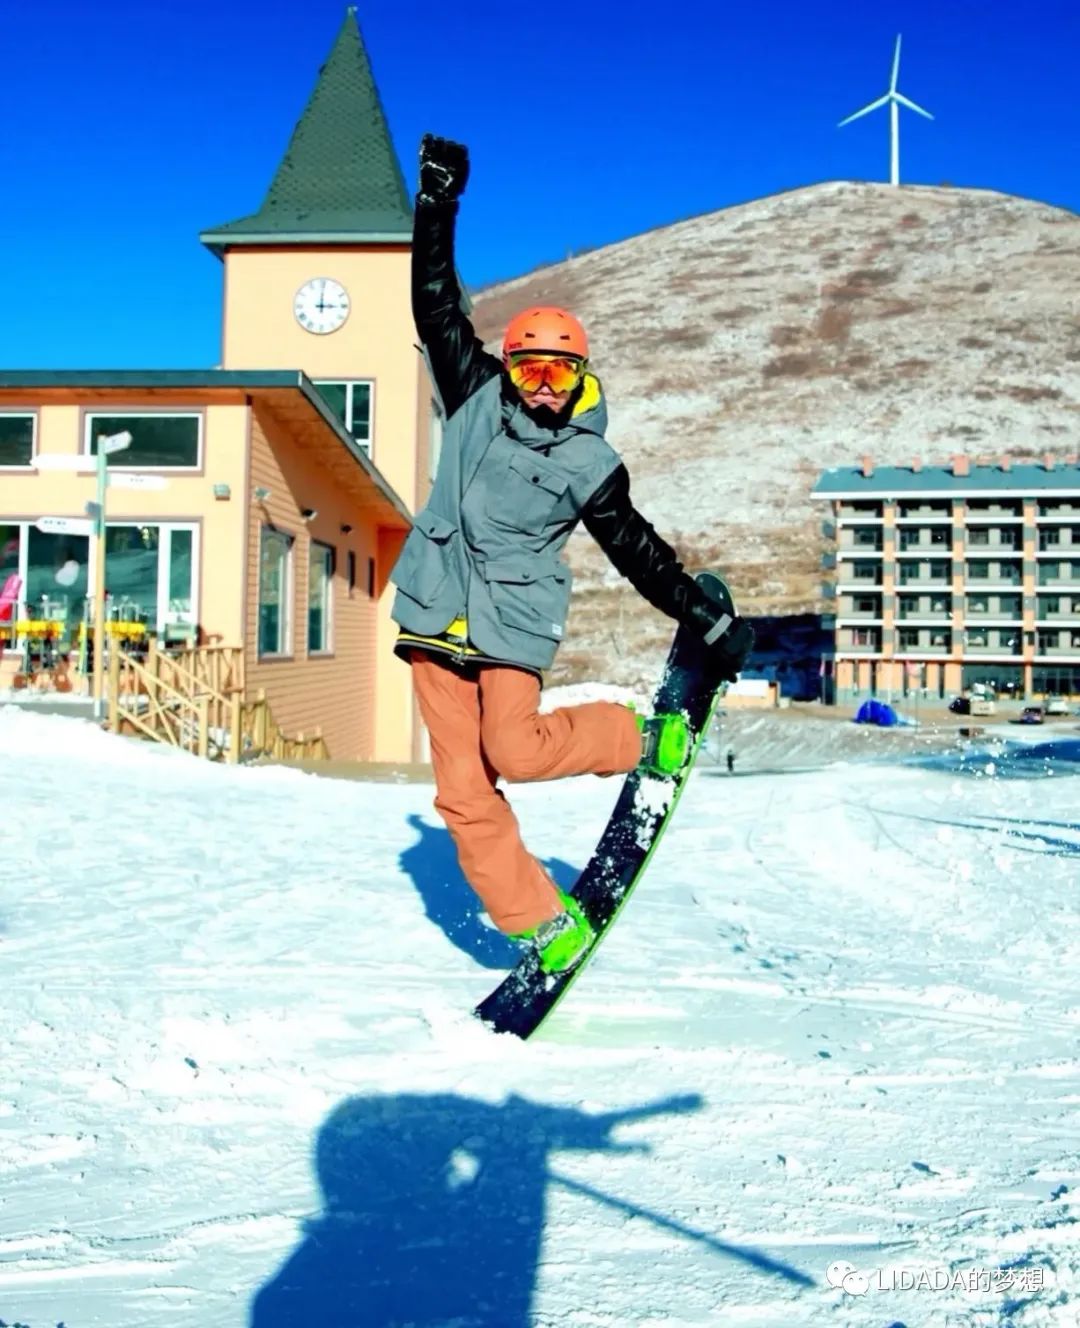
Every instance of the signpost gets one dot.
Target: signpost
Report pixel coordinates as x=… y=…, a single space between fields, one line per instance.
x=107 y=446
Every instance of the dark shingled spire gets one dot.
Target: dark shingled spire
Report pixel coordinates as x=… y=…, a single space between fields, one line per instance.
x=340 y=181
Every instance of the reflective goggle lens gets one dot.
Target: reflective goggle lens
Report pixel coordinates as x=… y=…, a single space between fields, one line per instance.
x=530 y=372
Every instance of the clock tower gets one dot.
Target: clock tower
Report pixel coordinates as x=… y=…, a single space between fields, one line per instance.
x=318 y=278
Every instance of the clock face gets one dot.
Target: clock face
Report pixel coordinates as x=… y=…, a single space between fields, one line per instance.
x=321 y=305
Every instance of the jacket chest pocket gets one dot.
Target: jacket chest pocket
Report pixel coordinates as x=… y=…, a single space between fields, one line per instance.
x=530 y=597
x=530 y=493
x=424 y=565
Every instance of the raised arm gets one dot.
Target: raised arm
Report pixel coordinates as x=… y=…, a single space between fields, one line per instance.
x=456 y=356
x=652 y=567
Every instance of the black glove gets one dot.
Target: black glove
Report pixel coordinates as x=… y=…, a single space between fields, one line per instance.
x=731 y=648
x=444 y=169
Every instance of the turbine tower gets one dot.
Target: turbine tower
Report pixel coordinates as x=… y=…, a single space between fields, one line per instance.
x=894 y=100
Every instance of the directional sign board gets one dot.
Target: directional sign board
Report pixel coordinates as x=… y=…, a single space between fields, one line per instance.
x=64 y=461
x=123 y=480
x=116 y=443
x=65 y=525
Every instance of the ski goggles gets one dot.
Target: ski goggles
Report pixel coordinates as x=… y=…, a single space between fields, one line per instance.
x=529 y=371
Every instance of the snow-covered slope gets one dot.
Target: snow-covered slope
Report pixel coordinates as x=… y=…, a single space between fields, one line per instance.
x=838 y=1025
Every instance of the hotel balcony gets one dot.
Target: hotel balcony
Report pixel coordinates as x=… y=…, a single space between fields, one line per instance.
x=858 y=640
x=916 y=541
x=992 y=642
x=993 y=541
x=991 y=574
x=1005 y=608
x=979 y=513
x=1060 y=539
x=919 y=575
x=924 y=513
x=859 y=540
x=1065 y=576
x=870 y=513
x=1057 y=643
x=923 y=608
x=923 y=641
x=1067 y=509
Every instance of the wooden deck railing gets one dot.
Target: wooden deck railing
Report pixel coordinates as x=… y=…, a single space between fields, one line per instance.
x=194 y=699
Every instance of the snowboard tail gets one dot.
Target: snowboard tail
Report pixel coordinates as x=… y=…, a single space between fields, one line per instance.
x=688 y=685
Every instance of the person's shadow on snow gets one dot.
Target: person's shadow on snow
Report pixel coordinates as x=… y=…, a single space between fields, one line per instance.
x=450 y=902
x=434 y=1211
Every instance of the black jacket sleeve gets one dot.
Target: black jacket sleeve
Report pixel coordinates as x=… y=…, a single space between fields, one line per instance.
x=648 y=562
x=459 y=364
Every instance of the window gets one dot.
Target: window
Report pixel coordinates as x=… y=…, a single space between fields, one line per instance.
x=866 y=604
x=864 y=572
x=351 y=567
x=178 y=545
x=978 y=571
x=978 y=535
x=57 y=575
x=16 y=440
x=131 y=572
x=908 y=638
x=275 y=581
x=320 y=585
x=157 y=441
x=351 y=403
x=1048 y=539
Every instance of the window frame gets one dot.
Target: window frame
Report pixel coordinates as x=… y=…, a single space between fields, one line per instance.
x=330 y=569
x=199 y=416
x=28 y=466
x=350 y=384
x=288 y=586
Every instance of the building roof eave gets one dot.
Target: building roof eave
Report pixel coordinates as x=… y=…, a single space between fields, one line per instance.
x=105 y=384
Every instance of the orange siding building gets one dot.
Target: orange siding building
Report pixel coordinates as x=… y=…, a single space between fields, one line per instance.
x=260 y=504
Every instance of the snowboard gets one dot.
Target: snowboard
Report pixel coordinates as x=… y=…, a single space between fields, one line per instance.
x=690 y=683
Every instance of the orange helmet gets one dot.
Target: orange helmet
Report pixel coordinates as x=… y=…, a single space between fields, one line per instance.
x=545 y=328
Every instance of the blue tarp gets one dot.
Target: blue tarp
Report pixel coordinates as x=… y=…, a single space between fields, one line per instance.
x=877 y=712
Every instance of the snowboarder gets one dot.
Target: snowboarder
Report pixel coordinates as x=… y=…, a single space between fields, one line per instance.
x=482 y=592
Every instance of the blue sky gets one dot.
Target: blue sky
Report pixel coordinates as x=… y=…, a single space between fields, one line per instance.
x=129 y=127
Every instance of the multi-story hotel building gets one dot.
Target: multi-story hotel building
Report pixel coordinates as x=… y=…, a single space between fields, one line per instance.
x=946 y=577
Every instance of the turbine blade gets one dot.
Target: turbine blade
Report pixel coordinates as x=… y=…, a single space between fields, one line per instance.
x=895 y=65
x=881 y=101
x=905 y=101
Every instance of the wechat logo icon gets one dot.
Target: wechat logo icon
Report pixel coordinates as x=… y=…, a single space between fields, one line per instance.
x=845 y=1276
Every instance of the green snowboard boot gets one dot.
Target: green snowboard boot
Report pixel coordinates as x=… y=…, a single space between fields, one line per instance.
x=563 y=941
x=666 y=743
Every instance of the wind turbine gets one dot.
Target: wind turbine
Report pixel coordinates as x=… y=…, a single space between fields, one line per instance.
x=894 y=100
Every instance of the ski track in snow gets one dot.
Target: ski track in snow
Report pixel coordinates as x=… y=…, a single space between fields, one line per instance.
x=236 y=1041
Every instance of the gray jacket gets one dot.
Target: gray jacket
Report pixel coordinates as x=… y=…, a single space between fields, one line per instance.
x=488 y=545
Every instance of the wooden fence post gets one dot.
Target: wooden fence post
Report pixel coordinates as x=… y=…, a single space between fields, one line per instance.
x=203 y=737
x=114 y=691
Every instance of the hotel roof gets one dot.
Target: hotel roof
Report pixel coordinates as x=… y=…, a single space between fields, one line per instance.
x=897 y=481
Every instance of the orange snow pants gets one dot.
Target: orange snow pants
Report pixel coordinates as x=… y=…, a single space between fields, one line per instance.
x=484 y=723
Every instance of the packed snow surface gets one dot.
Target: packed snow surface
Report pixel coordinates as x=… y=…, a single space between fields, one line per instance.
x=825 y=1069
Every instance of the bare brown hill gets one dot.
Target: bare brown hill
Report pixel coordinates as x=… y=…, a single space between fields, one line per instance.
x=744 y=351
